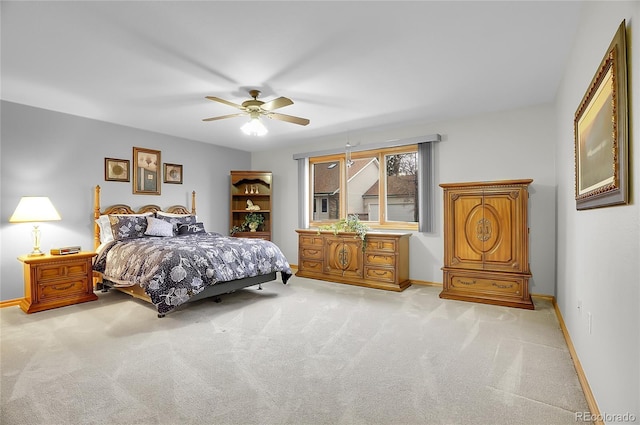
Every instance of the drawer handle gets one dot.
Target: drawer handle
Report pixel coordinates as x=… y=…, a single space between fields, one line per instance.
x=502 y=286
x=379 y=273
x=313 y=251
x=63 y=288
x=466 y=282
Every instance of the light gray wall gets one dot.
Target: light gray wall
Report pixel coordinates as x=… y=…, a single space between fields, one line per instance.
x=61 y=156
x=599 y=250
x=503 y=145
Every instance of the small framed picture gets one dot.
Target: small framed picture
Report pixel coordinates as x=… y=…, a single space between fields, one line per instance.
x=145 y=173
x=116 y=170
x=173 y=173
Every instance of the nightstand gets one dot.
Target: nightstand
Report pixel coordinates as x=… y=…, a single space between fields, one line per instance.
x=52 y=281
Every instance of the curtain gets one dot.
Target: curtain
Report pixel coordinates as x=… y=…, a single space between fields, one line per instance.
x=425 y=187
x=303 y=193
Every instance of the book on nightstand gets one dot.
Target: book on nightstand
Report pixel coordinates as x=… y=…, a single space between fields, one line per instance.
x=65 y=250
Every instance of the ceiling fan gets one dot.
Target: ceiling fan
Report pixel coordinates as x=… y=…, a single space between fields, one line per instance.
x=256 y=108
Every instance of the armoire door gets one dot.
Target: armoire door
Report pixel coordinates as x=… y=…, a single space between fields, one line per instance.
x=505 y=231
x=488 y=229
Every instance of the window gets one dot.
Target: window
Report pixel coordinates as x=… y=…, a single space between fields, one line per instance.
x=380 y=186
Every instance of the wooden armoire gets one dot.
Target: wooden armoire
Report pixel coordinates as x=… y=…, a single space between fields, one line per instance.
x=486 y=243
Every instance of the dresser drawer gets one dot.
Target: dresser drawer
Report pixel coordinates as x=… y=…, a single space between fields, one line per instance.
x=61 y=289
x=510 y=286
x=380 y=274
x=54 y=271
x=311 y=253
x=375 y=259
x=381 y=244
x=310 y=240
x=310 y=266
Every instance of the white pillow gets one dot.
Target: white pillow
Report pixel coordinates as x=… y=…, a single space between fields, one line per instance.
x=157 y=227
x=106 y=235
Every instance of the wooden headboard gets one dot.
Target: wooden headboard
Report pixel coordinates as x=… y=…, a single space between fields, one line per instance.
x=125 y=209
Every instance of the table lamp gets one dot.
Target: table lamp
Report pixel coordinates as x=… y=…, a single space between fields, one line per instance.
x=34 y=209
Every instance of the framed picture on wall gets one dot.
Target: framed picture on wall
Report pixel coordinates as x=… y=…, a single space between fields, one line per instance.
x=116 y=170
x=601 y=132
x=146 y=180
x=173 y=173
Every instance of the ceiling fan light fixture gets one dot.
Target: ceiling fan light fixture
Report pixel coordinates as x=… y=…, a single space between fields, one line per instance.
x=254 y=127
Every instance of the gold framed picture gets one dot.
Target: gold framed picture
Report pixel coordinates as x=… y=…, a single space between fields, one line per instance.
x=145 y=172
x=173 y=173
x=601 y=132
x=116 y=170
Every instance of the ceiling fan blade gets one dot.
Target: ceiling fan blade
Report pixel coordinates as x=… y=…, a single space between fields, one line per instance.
x=276 y=103
x=288 y=118
x=226 y=102
x=224 y=116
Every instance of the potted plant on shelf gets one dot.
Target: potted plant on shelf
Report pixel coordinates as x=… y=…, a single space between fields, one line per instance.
x=251 y=220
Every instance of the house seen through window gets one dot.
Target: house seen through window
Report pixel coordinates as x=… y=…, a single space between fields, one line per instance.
x=379 y=186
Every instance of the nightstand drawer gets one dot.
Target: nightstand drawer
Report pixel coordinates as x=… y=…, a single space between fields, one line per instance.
x=55 y=271
x=61 y=289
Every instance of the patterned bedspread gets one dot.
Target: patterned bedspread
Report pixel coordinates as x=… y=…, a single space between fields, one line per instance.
x=173 y=269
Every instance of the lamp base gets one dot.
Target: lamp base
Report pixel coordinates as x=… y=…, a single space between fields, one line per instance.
x=35 y=253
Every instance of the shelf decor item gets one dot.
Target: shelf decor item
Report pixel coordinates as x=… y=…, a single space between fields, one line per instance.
x=35 y=209
x=601 y=132
x=253 y=221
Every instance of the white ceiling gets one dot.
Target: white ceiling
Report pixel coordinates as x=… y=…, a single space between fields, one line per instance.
x=346 y=65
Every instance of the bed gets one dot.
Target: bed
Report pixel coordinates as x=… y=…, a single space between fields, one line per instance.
x=167 y=258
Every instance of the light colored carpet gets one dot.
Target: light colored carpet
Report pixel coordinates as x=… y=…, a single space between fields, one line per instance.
x=309 y=352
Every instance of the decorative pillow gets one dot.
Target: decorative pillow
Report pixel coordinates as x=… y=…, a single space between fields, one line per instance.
x=188 y=229
x=106 y=234
x=176 y=219
x=128 y=226
x=157 y=227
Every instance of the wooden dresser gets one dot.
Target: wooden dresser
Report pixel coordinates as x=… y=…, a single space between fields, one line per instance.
x=383 y=264
x=52 y=281
x=486 y=243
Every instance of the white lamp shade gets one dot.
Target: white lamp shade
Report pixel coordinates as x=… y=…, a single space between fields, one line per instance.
x=254 y=127
x=34 y=209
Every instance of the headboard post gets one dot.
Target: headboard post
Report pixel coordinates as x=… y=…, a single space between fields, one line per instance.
x=193 y=202
x=96 y=215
